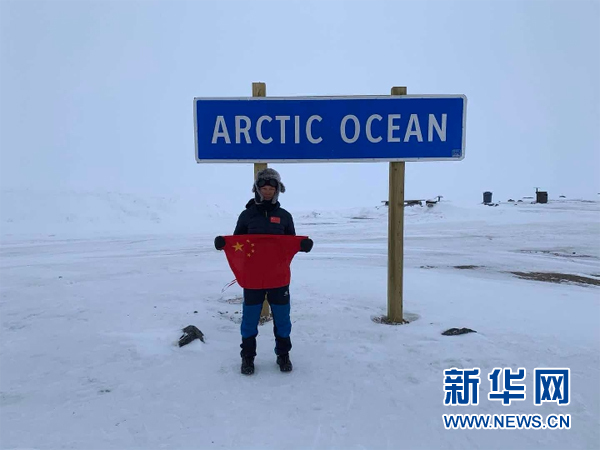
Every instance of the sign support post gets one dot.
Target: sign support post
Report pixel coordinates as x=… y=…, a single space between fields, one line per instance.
x=260 y=90
x=396 y=128
x=396 y=235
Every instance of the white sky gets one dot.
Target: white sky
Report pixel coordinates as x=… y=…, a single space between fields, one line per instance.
x=98 y=95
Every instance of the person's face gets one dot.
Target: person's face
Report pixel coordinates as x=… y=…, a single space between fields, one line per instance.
x=268 y=192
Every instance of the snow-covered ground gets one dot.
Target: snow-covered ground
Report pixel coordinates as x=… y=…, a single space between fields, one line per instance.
x=92 y=308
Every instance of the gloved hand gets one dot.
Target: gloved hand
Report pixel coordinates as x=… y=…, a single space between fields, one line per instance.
x=306 y=245
x=219 y=242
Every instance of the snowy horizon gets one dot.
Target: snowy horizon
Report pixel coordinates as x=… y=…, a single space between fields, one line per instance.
x=83 y=213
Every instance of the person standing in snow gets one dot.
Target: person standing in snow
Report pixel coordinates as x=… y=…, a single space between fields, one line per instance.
x=264 y=215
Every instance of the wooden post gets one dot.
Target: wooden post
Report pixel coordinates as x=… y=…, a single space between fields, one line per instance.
x=396 y=234
x=260 y=90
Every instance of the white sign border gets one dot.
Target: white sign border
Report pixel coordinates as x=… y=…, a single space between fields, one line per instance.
x=342 y=97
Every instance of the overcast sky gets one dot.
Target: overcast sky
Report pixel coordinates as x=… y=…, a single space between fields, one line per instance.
x=97 y=95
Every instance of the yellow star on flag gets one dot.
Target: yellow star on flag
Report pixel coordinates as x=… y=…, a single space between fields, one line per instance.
x=249 y=254
x=238 y=246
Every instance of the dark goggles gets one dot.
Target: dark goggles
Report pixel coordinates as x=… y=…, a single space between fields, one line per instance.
x=271 y=182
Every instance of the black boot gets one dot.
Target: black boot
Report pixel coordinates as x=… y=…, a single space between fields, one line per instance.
x=247 y=365
x=285 y=365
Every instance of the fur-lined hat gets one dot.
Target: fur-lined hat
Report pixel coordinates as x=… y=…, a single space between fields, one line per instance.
x=269 y=174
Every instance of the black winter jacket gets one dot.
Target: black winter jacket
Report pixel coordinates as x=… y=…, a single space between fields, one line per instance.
x=265 y=218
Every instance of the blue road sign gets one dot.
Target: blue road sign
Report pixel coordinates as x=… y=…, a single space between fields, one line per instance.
x=320 y=129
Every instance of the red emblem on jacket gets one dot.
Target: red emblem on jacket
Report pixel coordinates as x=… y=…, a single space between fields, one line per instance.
x=275 y=219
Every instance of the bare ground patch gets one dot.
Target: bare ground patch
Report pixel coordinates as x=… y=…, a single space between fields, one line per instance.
x=561 y=254
x=555 y=277
x=387 y=321
x=236 y=317
x=467 y=267
x=235 y=300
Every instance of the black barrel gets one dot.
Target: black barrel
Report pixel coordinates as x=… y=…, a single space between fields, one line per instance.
x=541 y=197
x=487 y=197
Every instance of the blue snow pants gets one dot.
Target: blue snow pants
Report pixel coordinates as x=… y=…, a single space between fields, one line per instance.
x=279 y=301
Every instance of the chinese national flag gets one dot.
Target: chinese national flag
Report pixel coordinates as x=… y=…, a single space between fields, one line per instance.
x=261 y=261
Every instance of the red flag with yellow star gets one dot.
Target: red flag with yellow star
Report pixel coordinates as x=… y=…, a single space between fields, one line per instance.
x=261 y=261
